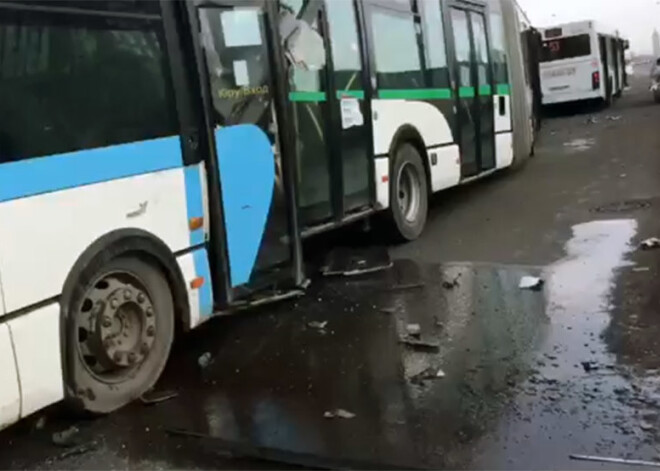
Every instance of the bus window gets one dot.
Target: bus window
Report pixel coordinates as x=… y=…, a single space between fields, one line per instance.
x=566 y=48
x=498 y=47
x=307 y=94
x=238 y=66
x=434 y=45
x=397 y=50
x=80 y=82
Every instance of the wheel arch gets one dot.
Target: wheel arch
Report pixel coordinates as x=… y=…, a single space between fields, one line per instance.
x=110 y=246
x=407 y=133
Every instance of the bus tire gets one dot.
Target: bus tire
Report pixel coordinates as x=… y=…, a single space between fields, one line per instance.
x=408 y=193
x=119 y=333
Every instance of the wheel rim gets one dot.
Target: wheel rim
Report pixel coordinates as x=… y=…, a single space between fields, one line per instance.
x=409 y=192
x=116 y=326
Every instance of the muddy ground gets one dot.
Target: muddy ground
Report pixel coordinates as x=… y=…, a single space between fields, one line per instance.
x=500 y=377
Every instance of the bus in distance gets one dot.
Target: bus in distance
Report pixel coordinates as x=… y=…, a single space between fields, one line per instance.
x=582 y=61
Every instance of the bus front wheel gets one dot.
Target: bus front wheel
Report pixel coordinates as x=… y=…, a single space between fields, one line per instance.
x=120 y=328
x=408 y=193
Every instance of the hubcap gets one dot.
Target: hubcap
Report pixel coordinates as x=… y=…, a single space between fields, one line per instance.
x=409 y=196
x=116 y=326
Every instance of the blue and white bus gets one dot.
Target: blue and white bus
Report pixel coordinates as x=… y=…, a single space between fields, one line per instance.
x=161 y=162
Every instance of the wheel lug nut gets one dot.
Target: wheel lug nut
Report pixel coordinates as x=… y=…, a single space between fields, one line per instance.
x=128 y=294
x=150 y=331
x=114 y=303
x=107 y=322
x=117 y=357
x=144 y=349
x=140 y=298
x=150 y=312
x=131 y=358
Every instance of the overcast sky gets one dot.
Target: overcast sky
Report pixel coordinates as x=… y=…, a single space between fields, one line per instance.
x=635 y=19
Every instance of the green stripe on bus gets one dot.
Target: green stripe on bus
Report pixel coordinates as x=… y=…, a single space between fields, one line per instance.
x=485 y=90
x=307 y=96
x=466 y=92
x=359 y=94
x=417 y=94
x=503 y=89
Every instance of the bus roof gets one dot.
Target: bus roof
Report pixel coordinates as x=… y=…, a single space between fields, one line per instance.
x=577 y=27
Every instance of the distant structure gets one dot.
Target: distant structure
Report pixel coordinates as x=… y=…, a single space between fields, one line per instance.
x=656 y=43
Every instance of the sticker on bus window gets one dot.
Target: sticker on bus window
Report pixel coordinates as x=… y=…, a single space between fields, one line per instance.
x=241 y=74
x=351 y=115
x=241 y=27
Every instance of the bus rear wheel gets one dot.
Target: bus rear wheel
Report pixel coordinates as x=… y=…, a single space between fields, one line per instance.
x=120 y=330
x=408 y=193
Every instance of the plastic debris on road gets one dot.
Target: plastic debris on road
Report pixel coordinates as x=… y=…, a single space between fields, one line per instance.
x=338 y=413
x=319 y=325
x=530 y=282
x=650 y=243
x=414 y=330
x=204 y=360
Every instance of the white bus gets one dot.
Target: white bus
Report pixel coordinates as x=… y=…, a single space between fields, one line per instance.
x=581 y=61
x=161 y=162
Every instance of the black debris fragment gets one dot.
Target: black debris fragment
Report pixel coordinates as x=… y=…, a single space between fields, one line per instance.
x=156 y=397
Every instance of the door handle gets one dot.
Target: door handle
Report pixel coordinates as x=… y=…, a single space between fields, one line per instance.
x=502 y=105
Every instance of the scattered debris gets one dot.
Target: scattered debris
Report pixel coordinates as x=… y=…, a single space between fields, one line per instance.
x=589 y=366
x=205 y=360
x=305 y=284
x=428 y=374
x=420 y=344
x=531 y=282
x=338 y=413
x=647 y=427
x=156 y=397
x=407 y=286
x=79 y=450
x=319 y=325
x=351 y=261
x=606 y=459
x=650 y=243
x=613 y=118
x=67 y=437
x=446 y=284
x=414 y=330
x=592 y=120
x=40 y=423
x=641 y=269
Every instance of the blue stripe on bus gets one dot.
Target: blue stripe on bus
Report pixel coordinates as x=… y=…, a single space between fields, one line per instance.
x=247 y=176
x=194 y=201
x=61 y=171
x=201 y=262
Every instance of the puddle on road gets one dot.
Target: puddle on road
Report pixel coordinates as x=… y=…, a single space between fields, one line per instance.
x=583 y=397
x=580 y=144
x=514 y=391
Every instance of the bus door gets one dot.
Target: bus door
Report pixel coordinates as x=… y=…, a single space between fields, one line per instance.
x=326 y=93
x=474 y=88
x=254 y=223
x=604 y=57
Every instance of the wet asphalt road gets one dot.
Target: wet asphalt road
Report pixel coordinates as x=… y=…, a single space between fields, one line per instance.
x=515 y=392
